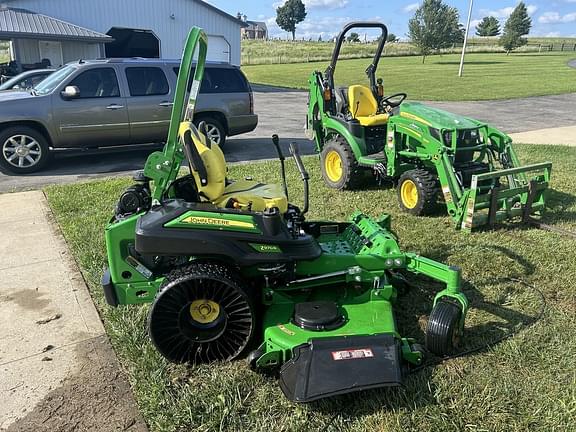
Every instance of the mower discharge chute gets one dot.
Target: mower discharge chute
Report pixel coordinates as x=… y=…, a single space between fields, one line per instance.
x=232 y=267
x=427 y=152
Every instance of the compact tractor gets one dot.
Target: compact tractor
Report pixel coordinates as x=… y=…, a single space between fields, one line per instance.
x=428 y=153
x=233 y=268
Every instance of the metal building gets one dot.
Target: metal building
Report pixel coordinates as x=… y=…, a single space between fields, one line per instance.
x=134 y=21
x=36 y=38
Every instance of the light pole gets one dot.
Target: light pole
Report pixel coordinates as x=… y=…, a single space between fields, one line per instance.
x=465 y=39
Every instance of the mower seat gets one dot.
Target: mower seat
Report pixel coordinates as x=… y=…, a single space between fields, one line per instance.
x=364 y=107
x=208 y=167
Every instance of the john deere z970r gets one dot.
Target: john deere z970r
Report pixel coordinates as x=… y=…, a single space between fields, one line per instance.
x=428 y=153
x=232 y=267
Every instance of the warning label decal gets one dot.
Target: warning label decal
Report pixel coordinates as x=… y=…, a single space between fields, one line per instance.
x=352 y=354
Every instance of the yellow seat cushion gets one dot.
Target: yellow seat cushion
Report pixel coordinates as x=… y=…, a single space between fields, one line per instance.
x=254 y=195
x=373 y=120
x=247 y=194
x=364 y=106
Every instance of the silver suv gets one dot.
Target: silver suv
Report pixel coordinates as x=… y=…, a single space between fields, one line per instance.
x=114 y=102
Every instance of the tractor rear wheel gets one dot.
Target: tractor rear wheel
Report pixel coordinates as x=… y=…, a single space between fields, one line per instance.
x=339 y=166
x=417 y=192
x=201 y=314
x=442 y=331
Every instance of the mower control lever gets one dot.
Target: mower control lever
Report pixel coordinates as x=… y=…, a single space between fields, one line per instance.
x=276 y=142
x=303 y=173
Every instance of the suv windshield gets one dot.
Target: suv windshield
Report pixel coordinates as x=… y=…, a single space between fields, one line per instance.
x=50 y=83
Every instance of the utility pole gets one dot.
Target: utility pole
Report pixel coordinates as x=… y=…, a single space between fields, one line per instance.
x=465 y=39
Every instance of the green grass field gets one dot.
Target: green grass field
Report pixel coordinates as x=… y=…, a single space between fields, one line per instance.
x=525 y=383
x=282 y=51
x=486 y=76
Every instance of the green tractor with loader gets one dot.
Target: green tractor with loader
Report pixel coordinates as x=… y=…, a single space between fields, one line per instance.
x=233 y=268
x=429 y=154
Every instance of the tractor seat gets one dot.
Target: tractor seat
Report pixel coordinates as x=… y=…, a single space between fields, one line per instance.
x=364 y=107
x=208 y=167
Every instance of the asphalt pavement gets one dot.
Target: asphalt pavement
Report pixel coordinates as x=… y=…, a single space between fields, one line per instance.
x=283 y=112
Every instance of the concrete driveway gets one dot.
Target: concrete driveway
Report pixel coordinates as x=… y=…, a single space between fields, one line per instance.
x=283 y=112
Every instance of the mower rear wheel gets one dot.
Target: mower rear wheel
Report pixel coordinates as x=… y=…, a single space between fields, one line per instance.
x=339 y=166
x=417 y=192
x=201 y=314
x=442 y=331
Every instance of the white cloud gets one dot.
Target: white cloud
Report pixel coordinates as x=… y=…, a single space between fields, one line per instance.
x=317 y=4
x=325 y=4
x=327 y=27
x=552 y=34
x=474 y=23
x=411 y=7
x=556 y=18
x=505 y=12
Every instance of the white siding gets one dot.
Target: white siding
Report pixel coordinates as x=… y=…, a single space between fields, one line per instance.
x=79 y=50
x=155 y=15
x=29 y=52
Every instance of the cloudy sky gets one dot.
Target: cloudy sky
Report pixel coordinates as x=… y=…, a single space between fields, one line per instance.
x=325 y=17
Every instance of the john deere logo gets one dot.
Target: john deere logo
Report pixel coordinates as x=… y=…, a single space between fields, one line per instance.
x=200 y=220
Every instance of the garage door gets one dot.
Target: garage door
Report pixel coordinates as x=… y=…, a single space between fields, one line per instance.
x=218 y=49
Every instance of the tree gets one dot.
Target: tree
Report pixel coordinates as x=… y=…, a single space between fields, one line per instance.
x=354 y=37
x=489 y=26
x=391 y=38
x=434 y=26
x=517 y=25
x=290 y=14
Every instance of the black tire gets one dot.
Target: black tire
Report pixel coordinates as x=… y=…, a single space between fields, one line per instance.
x=23 y=150
x=425 y=192
x=350 y=175
x=442 y=331
x=253 y=356
x=216 y=130
x=180 y=336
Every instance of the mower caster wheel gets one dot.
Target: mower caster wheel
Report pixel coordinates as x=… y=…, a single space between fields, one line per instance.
x=442 y=331
x=253 y=356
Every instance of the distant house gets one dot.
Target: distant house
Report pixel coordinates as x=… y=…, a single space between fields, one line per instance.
x=254 y=30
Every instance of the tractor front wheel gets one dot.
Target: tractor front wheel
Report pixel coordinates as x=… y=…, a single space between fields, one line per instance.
x=417 y=192
x=442 y=331
x=201 y=314
x=339 y=166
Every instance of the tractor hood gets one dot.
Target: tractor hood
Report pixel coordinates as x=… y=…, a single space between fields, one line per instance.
x=435 y=117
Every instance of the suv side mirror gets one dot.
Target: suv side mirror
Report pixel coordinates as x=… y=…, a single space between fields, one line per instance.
x=70 y=92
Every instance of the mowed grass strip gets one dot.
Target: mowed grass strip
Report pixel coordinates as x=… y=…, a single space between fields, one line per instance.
x=524 y=383
x=486 y=76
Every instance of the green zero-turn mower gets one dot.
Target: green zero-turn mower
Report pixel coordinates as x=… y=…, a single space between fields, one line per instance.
x=231 y=267
x=428 y=153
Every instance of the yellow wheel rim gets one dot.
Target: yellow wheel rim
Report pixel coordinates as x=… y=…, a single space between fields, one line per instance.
x=333 y=166
x=409 y=194
x=204 y=311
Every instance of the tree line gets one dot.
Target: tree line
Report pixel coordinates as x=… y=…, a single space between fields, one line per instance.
x=434 y=26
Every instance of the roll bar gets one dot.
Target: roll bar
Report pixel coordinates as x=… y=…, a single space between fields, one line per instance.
x=371 y=69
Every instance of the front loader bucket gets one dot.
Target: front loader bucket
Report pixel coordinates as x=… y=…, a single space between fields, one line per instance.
x=502 y=195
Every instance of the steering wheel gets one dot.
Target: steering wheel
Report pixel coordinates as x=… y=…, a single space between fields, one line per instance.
x=388 y=100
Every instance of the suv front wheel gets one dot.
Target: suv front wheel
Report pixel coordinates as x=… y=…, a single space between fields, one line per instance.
x=23 y=150
x=214 y=129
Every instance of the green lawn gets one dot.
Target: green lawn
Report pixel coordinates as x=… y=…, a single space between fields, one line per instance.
x=525 y=383
x=287 y=51
x=486 y=76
